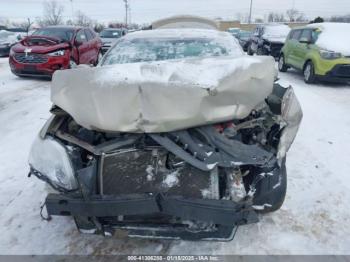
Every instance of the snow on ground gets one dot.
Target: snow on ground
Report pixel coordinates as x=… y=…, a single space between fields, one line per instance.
x=314 y=219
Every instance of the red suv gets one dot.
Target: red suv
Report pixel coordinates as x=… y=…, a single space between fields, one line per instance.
x=55 y=48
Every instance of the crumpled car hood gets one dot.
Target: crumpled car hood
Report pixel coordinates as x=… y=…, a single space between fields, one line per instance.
x=163 y=96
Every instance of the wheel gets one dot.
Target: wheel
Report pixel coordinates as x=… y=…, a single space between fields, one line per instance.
x=250 y=51
x=260 y=51
x=268 y=195
x=72 y=63
x=99 y=57
x=282 y=67
x=309 y=73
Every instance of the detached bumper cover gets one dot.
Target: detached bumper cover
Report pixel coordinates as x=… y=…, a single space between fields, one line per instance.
x=222 y=212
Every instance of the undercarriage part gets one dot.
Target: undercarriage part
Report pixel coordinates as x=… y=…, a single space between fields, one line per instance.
x=210 y=149
x=221 y=233
x=271 y=189
x=235 y=185
x=222 y=212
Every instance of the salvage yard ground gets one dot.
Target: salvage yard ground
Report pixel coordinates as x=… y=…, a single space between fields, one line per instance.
x=314 y=219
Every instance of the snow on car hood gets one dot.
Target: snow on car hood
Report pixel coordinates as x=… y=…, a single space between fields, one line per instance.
x=7 y=37
x=276 y=33
x=334 y=37
x=163 y=96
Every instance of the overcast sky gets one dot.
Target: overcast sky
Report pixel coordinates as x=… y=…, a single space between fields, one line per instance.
x=144 y=11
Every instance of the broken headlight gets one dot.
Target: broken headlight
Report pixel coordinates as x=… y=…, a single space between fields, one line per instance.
x=291 y=114
x=49 y=161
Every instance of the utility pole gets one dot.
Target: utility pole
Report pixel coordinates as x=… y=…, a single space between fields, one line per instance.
x=71 y=6
x=250 y=11
x=126 y=12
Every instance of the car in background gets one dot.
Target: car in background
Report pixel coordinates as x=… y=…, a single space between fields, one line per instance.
x=244 y=39
x=109 y=36
x=55 y=48
x=8 y=39
x=320 y=51
x=268 y=39
x=233 y=31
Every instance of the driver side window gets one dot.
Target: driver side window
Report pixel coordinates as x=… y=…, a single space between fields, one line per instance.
x=81 y=37
x=306 y=35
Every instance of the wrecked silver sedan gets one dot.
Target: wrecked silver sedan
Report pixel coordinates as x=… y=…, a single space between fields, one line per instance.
x=177 y=134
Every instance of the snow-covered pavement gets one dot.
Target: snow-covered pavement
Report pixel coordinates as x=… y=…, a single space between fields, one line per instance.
x=314 y=219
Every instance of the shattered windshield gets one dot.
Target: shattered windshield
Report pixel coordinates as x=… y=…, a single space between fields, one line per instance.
x=65 y=34
x=145 y=50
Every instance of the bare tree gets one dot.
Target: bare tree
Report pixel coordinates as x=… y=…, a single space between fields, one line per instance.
x=295 y=15
x=292 y=14
x=341 y=19
x=26 y=25
x=53 y=13
x=116 y=25
x=83 y=20
x=276 y=17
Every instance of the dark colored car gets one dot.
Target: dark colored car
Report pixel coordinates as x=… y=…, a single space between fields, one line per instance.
x=109 y=36
x=8 y=39
x=244 y=39
x=268 y=39
x=55 y=48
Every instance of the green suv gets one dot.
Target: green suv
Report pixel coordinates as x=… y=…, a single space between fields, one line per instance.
x=320 y=51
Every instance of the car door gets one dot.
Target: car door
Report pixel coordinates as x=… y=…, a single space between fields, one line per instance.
x=92 y=53
x=83 y=47
x=303 y=47
x=292 y=46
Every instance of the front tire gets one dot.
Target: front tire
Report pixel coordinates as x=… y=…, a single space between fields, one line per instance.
x=282 y=67
x=99 y=58
x=249 y=50
x=309 y=73
x=72 y=63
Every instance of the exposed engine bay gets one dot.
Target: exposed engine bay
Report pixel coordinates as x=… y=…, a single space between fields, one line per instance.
x=197 y=183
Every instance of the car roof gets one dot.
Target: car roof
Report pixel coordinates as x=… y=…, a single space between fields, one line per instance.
x=64 y=27
x=178 y=33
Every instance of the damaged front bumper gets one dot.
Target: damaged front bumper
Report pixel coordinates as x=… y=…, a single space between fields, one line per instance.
x=197 y=183
x=227 y=214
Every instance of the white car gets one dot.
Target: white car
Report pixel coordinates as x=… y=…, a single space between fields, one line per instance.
x=176 y=134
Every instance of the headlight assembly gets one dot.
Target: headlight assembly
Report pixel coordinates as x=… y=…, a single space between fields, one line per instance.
x=57 y=53
x=292 y=114
x=50 y=162
x=325 y=54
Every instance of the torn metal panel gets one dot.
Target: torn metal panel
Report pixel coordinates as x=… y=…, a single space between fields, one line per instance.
x=163 y=96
